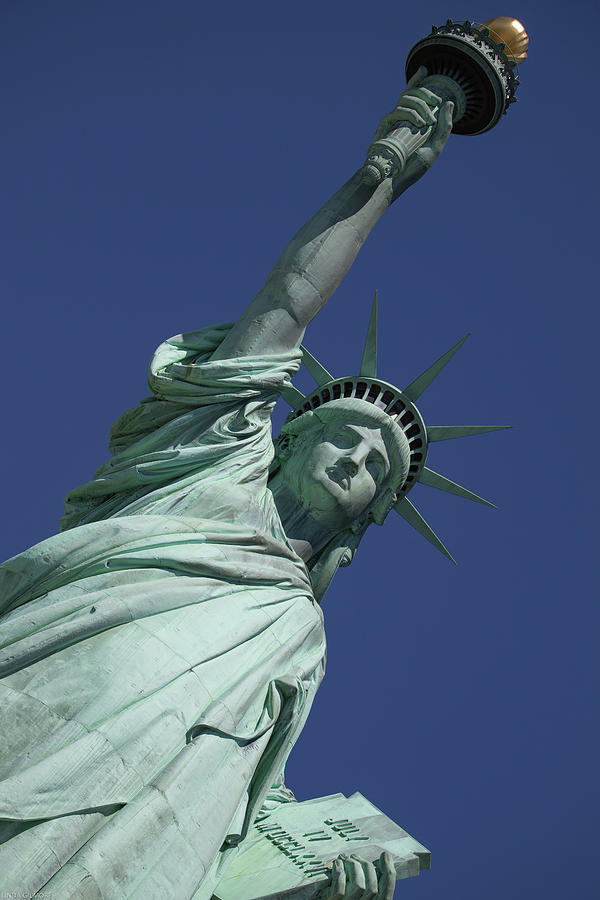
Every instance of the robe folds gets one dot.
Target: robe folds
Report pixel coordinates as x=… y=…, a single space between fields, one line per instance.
x=159 y=656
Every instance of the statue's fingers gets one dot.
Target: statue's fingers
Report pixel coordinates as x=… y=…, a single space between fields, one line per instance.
x=417 y=78
x=447 y=115
x=432 y=99
x=404 y=114
x=387 y=877
x=421 y=106
x=428 y=96
x=444 y=123
x=355 y=879
x=370 y=891
x=337 y=889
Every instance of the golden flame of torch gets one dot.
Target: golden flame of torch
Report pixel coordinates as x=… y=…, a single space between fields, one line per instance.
x=510 y=32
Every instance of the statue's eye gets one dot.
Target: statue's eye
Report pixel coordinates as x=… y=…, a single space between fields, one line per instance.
x=343 y=438
x=376 y=468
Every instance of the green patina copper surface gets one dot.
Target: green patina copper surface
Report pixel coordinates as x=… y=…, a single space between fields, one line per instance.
x=160 y=655
x=290 y=853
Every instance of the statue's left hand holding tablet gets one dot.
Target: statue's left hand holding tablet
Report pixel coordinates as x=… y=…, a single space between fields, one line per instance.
x=354 y=878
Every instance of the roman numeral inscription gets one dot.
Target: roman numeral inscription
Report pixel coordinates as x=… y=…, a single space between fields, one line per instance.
x=301 y=852
x=290 y=852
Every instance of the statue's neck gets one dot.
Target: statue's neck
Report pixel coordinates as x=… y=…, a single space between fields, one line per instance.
x=305 y=535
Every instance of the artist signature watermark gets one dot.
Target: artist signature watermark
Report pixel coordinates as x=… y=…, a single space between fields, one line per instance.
x=24 y=895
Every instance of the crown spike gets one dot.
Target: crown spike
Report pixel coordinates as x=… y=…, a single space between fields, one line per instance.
x=318 y=372
x=368 y=366
x=414 y=518
x=449 y=432
x=420 y=384
x=293 y=396
x=435 y=480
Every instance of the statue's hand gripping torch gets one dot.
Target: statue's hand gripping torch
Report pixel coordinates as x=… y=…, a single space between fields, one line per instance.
x=474 y=67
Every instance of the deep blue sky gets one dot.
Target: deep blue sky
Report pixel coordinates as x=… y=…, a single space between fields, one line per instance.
x=156 y=157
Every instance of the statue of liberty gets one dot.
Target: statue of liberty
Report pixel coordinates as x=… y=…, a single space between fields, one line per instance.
x=161 y=654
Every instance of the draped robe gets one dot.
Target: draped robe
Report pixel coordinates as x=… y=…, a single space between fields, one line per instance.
x=160 y=655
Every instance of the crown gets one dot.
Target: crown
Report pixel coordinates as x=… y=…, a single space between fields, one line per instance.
x=399 y=408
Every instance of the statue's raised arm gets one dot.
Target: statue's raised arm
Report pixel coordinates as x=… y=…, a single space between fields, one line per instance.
x=317 y=258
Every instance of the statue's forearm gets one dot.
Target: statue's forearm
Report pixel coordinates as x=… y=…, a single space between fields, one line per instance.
x=318 y=257
x=308 y=271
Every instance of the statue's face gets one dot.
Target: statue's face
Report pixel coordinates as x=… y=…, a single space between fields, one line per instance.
x=336 y=470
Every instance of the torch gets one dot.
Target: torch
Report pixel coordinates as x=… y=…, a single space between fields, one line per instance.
x=474 y=66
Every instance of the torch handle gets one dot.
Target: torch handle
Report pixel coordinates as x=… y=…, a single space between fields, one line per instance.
x=387 y=156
